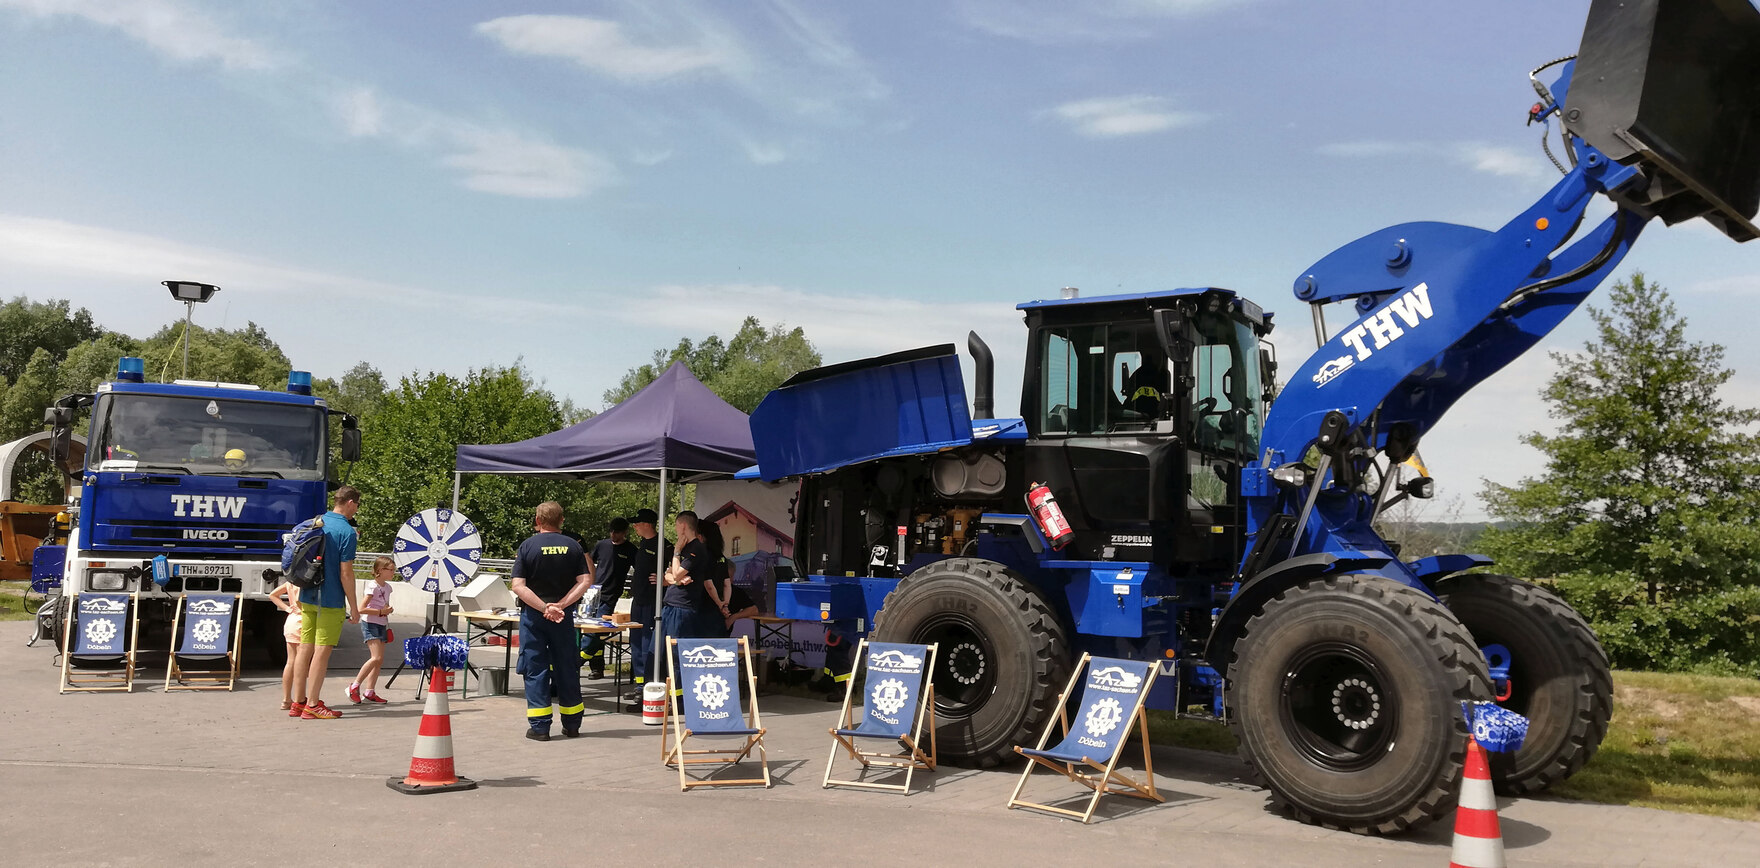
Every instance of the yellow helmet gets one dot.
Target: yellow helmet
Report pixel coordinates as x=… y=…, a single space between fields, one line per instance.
x=235 y=458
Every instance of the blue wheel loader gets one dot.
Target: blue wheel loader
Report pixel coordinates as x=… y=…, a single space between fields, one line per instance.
x=1153 y=501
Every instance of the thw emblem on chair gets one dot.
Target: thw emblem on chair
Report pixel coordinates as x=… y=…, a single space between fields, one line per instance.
x=890 y=696
x=712 y=691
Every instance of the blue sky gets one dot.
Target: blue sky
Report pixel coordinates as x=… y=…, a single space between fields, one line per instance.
x=576 y=183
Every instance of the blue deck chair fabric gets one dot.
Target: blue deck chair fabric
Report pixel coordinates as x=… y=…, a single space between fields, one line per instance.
x=205 y=629
x=100 y=635
x=704 y=683
x=1112 y=697
x=897 y=697
x=709 y=679
x=1108 y=694
x=895 y=681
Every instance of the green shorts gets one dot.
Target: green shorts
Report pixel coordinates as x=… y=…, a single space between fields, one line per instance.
x=320 y=626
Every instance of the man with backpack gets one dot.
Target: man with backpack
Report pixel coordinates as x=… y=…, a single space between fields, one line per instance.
x=322 y=609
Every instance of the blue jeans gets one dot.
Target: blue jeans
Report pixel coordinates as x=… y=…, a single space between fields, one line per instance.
x=550 y=659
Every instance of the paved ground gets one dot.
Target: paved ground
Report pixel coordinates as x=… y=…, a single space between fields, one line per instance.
x=226 y=779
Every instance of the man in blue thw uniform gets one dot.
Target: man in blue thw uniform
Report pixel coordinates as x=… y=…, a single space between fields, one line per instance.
x=550 y=574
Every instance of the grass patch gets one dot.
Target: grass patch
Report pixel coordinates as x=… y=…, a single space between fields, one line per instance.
x=1166 y=728
x=12 y=605
x=1687 y=743
x=1678 y=742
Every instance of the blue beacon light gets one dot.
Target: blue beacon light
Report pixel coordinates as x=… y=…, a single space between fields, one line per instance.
x=299 y=382
x=131 y=370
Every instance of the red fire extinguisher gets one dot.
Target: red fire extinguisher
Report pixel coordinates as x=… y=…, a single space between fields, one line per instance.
x=1050 y=518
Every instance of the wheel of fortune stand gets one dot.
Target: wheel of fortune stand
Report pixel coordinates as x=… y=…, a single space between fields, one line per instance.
x=437 y=550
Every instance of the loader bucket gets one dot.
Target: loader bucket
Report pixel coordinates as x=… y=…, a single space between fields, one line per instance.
x=1673 y=88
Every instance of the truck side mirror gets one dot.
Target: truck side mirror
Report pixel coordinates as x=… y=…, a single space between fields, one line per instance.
x=351 y=444
x=61 y=435
x=1170 y=326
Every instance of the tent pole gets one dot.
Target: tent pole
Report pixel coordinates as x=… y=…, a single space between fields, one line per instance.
x=457 y=478
x=660 y=581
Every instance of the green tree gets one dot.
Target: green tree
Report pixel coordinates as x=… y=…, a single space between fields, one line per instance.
x=1646 y=514
x=245 y=355
x=27 y=326
x=21 y=413
x=741 y=370
x=412 y=442
x=93 y=362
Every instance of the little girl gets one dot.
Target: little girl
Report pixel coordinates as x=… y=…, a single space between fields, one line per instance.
x=374 y=629
x=284 y=599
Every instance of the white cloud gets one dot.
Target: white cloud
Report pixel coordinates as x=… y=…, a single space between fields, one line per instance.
x=57 y=247
x=361 y=114
x=1110 y=117
x=599 y=45
x=1503 y=162
x=1060 y=21
x=503 y=162
x=180 y=31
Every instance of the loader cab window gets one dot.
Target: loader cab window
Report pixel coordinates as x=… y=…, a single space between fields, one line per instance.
x=1227 y=396
x=1101 y=379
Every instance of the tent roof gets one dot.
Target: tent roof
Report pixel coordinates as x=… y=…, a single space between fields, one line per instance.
x=674 y=424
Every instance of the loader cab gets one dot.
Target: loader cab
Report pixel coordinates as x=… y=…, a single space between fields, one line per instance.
x=1141 y=411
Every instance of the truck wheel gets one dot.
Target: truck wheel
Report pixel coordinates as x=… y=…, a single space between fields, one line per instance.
x=1003 y=654
x=1345 y=695
x=1558 y=673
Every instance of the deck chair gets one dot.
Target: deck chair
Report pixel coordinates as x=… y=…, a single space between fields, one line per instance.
x=897 y=698
x=98 y=642
x=703 y=702
x=1112 y=699
x=205 y=630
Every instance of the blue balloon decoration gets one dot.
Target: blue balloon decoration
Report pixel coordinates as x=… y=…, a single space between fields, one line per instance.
x=1495 y=728
x=451 y=652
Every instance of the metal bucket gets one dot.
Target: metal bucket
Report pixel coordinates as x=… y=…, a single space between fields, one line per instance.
x=492 y=682
x=1670 y=86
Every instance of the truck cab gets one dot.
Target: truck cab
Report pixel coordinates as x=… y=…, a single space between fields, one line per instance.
x=207 y=474
x=1142 y=409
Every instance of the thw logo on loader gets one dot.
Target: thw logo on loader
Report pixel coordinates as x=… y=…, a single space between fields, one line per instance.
x=1411 y=308
x=207 y=506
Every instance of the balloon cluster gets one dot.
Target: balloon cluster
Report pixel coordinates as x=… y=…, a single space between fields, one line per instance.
x=427 y=652
x=1495 y=728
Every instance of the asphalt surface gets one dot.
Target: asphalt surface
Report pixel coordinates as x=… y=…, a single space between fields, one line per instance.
x=150 y=778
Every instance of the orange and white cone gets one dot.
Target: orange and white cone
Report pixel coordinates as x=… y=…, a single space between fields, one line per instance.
x=430 y=766
x=1478 y=840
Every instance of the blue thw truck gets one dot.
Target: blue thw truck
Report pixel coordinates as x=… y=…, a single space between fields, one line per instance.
x=207 y=474
x=1230 y=537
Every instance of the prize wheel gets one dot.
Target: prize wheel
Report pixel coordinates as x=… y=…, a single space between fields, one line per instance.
x=437 y=550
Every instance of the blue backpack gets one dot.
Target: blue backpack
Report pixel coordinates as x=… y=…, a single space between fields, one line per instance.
x=302 y=554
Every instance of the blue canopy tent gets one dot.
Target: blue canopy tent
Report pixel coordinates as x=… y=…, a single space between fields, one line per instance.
x=672 y=431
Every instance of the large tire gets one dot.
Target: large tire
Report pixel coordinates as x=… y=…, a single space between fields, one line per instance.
x=1345 y=695
x=1559 y=675
x=1003 y=654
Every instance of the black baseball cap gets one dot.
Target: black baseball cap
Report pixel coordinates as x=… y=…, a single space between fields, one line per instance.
x=644 y=515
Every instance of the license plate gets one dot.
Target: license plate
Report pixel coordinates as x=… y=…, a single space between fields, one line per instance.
x=222 y=571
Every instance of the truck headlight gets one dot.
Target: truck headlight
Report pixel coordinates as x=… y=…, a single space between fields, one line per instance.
x=107 y=581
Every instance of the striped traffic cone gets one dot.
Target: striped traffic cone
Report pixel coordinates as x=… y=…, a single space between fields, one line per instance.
x=1478 y=841
x=430 y=767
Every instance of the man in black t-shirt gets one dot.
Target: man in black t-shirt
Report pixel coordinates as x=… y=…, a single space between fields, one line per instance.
x=612 y=559
x=550 y=574
x=687 y=583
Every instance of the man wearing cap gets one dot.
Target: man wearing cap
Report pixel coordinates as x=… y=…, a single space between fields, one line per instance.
x=550 y=575
x=645 y=567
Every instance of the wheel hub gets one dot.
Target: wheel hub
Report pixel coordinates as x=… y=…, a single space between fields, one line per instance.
x=1356 y=703
x=966 y=663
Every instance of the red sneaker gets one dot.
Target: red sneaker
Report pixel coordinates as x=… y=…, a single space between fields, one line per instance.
x=354 y=693
x=320 y=711
x=374 y=697
x=297 y=709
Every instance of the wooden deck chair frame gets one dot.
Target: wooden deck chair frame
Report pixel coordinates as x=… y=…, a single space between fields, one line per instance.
x=108 y=679
x=1105 y=777
x=673 y=750
x=213 y=680
x=912 y=759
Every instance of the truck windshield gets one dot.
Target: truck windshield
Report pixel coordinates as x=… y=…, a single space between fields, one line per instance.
x=210 y=437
